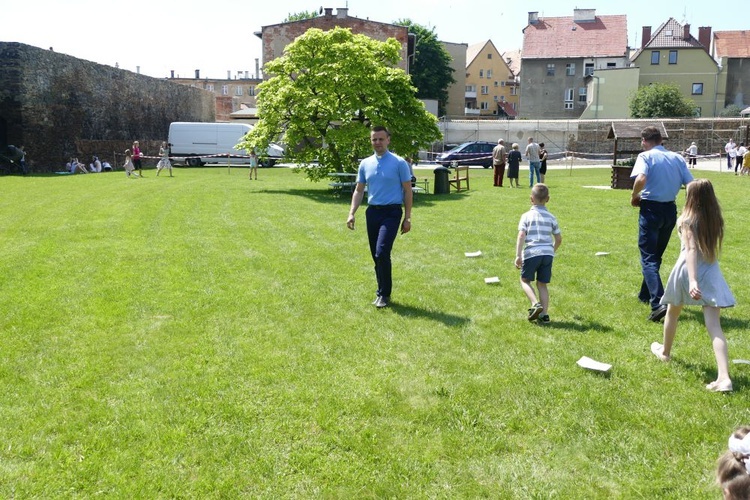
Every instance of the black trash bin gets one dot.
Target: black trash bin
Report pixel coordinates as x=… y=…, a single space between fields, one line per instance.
x=442 y=186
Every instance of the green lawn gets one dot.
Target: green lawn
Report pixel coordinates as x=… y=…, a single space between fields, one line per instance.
x=206 y=336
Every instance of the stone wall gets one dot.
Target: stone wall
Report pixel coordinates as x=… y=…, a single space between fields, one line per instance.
x=588 y=138
x=54 y=104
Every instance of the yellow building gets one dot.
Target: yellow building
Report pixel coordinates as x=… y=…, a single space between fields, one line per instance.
x=491 y=87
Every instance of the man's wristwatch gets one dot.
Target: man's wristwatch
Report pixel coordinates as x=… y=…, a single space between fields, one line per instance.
x=407 y=220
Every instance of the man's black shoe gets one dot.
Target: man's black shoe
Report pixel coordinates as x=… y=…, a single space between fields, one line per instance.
x=658 y=313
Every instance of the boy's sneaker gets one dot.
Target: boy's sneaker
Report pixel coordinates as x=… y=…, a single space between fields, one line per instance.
x=535 y=311
x=544 y=318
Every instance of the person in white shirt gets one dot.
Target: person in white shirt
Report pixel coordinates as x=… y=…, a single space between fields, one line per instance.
x=731 y=150
x=740 y=155
x=692 y=152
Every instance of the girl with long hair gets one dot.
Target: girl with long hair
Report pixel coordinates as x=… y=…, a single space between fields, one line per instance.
x=696 y=278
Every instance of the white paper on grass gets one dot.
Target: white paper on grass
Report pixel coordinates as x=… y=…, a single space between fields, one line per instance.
x=599 y=254
x=741 y=362
x=473 y=254
x=586 y=362
x=494 y=279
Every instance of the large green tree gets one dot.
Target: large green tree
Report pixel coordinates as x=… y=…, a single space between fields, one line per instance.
x=660 y=100
x=431 y=70
x=326 y=91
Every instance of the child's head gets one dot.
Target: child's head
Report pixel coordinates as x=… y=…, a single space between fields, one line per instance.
x=702 y=215
x=733 y=467
x=541 y=145
x=539 y=194
x=127 y=152
x=515 y=146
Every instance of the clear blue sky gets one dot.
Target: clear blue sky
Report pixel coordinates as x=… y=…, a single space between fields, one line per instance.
x=216 y=36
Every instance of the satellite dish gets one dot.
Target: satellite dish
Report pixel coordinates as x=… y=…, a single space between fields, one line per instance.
x=320 y=11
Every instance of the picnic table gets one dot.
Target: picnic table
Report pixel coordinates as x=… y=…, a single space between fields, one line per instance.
x=342 y=182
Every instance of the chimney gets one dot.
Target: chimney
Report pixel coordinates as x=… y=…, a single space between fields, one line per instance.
x=138 y=69
x=171 y=73
x=645 y=36
x=704 y=37
x=342 y=13
x=584 y=15
x=197 y=74
x=229 y=75
x=686 y=32
x=328 y=13
x=533 y=17
x=247 y=75
x=257 y=68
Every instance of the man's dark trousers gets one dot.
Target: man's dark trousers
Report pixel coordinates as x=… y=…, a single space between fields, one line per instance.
x=655 y=225
x=383 y=222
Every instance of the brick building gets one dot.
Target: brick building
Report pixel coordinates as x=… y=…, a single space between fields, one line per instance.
x=276 y=37
x=58 y=106
x=231 y=94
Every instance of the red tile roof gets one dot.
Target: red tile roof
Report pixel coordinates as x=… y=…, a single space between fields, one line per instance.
x=734 y=44
x=507 y=107
x=671 y=35
x=562 y=38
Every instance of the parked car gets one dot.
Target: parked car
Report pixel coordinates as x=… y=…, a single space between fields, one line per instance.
x=468 y=153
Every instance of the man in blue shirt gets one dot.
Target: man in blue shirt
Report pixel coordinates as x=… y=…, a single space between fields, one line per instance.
x=659 y=174
x=388 y=181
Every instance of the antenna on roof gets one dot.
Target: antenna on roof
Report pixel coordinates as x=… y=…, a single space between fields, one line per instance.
x=684 y=16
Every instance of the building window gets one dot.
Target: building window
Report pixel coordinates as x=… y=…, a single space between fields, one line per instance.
x=225 y=90
x=697 y=89
x=496 y=84
x=484 y=105
x=481 y=73
x=489 y=56
x=588 y=69
x=697 y=112
x=489 y=73
x=471 y=88
x=655 y=56
x=502 y=84
x=495 y=98
x=210 y=87
x=581 y=94
x=568 y=99
x=570 y=69
x=611 y=65
x=238 y=91
x=672 y=57
x=251 y=91
x=512 y=91
x=550 y=69
x=485 y=89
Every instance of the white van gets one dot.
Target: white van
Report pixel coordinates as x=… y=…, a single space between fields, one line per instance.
x=198 y=142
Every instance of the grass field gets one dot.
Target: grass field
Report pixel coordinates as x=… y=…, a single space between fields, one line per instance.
x=206 y=336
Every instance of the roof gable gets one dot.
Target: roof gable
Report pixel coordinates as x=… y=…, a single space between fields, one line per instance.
x=671 y=35
x=732 y=44
x=562 y=37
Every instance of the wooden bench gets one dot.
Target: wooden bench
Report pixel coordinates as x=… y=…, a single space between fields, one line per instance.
x=342 y=187
x=460 y=175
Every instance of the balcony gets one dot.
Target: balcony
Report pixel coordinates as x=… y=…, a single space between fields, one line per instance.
x=470 y=94
x=472 y=111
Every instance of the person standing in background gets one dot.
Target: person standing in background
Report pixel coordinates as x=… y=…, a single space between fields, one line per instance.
x=532 y=154
x=498 y=162
x=137 y=164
